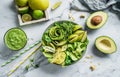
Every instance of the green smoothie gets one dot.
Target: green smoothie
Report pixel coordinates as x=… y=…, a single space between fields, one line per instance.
x=15 y=39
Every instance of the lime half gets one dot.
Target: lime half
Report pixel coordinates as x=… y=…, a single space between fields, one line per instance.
x=23 y=10
x=26 y=17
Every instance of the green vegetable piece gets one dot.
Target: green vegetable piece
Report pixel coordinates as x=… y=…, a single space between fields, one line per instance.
x=64 y=47
x=61 y=43
x=86 y=42
x=68 y=28
x=80 y=37
x=52 y=45
x=50 y=60
x=48 y=49
x=70 y=48
x=73 y=38
x=47 y=38
x=27 y=67
x=43 y=43
x=55 y=42
x=56 y=33
x=68 y=60
x=77 y=55
x=77 y=27
x=48 y=55
x=72 y=56
x=75 y=45
x=32 y=60
x=84 y=37
x=79 y=32
x=79 y=49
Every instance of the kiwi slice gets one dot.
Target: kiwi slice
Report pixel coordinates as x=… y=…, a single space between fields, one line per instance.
x=26 y=17
x=23 y=10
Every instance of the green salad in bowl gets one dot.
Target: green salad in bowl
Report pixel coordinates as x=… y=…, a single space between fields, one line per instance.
x=64 y=42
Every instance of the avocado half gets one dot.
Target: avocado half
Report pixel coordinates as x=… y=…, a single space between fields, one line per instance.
x=105 y=44
x=103 y=16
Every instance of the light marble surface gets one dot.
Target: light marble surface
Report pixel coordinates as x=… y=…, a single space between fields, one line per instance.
x=106 y=65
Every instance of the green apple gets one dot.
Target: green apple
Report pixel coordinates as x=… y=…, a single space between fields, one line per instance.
x=21 y=3
x=38 y=4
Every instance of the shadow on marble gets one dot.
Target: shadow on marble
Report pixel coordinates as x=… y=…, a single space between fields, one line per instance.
x=51 y=68
x=89 y=31
x=39 y=59
x=115 y=12
x=34 y=25
x=13 y=8
x=55 y=69
x=98 y=53
x=6 y=53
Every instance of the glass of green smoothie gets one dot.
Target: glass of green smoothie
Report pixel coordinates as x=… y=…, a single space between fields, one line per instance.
x=15 y=39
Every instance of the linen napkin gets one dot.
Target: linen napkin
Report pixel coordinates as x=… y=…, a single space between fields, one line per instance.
x=93 y=4
x=116 y=7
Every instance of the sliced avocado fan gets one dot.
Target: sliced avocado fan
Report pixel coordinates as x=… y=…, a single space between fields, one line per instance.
x=105 y=44
x=97 y=20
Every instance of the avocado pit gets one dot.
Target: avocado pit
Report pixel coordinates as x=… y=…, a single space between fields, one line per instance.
x=105 y=44
x=96 y=20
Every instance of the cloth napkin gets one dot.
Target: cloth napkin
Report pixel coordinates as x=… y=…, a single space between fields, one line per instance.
x=94 y=5
x=116 y=7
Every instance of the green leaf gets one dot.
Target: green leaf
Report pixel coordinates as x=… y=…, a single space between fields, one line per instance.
x=27 y=67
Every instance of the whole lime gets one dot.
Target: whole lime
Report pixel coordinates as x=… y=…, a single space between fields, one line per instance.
x=21 y=3
x=37 y=14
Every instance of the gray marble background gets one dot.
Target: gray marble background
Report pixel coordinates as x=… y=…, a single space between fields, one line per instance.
x=106 y=65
